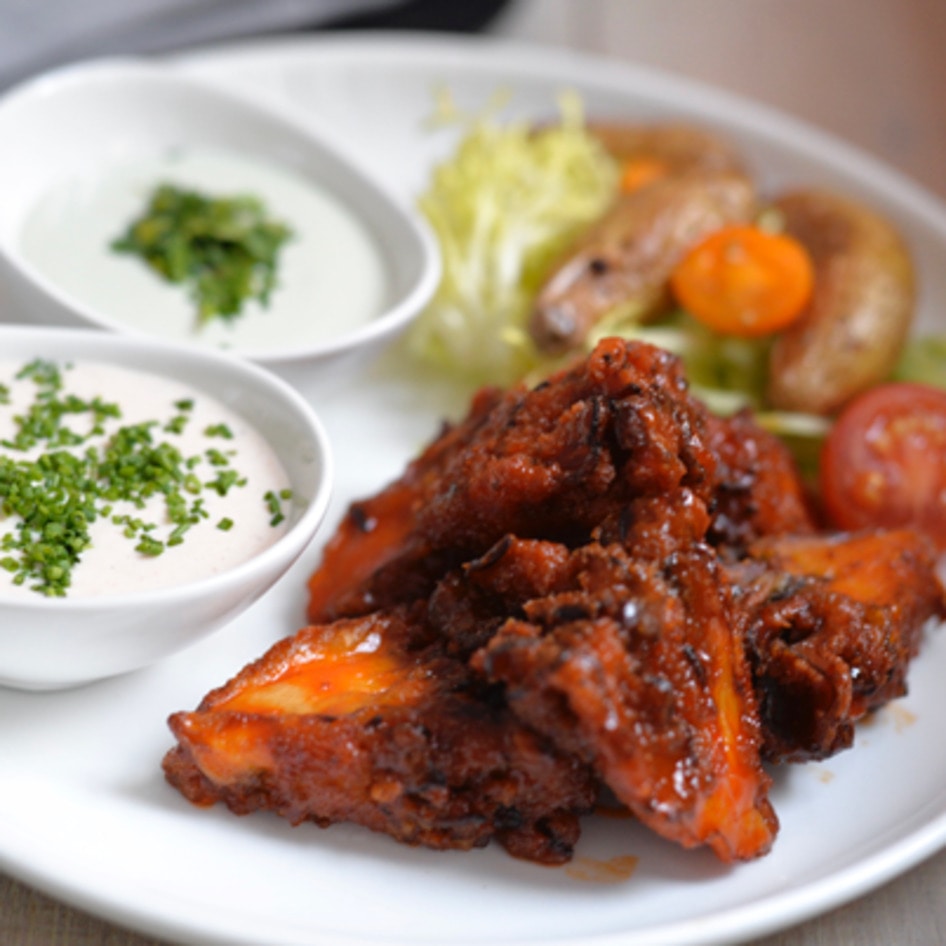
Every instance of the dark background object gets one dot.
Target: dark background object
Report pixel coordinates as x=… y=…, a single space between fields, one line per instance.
x=462 y=16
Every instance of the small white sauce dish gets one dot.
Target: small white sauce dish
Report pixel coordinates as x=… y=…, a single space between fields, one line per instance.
x=58 y=642
x=85 y=146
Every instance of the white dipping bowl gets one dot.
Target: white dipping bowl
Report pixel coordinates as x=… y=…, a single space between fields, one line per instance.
x=49 y=642
x=84 y=147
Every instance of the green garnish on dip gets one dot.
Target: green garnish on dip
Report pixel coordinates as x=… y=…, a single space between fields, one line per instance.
x=61 y=471
x=225 y=248
x=274 y=502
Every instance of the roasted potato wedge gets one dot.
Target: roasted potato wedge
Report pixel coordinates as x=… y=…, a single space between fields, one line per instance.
x=679 y=148
x=853 y=329
x=623 y=262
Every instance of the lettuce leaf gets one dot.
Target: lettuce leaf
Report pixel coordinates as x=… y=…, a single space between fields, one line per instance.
x=923 y=361
x=503 y=207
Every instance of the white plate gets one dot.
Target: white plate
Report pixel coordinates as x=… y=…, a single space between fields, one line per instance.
x=84 y=812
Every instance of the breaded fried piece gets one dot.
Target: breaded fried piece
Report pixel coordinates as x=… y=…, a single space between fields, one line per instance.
x=469 y=605
x=759 y=490
x=625 y=656
x=830 y=624
x=555 y=463
x=633 y=666
x=364 y=721
x=548 y=463
x=375 y=530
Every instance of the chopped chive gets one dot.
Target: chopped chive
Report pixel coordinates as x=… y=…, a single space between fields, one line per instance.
x=177 y=424
x=274 y=504
x=216 y=458
x=149 y=546
x=72 y=479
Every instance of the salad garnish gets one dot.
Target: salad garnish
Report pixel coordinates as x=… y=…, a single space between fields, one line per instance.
x=503 y=206
x=226 y=249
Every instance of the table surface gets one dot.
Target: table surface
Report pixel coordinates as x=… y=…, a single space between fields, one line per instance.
x=872 y=74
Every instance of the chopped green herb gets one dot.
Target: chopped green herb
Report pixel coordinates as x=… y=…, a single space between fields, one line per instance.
x=225 y=481
x=56 y=482
x=46 y=374
x=219 y=430
x=225 y=248
x=216 y=458
x=177 y=424
x=149 y=546
x=44 y=420
x=274 y=502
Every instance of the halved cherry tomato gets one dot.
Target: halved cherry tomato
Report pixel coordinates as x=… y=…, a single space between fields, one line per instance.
x=884 y=461
x=743 y=280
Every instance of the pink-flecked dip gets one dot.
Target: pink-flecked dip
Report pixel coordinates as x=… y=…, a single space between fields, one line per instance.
x=230 y=481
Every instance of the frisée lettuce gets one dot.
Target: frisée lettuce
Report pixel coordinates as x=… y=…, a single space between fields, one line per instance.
x=503 y=207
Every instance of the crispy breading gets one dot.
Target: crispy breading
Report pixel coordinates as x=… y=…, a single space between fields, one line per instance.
x=354 y=722
x=632 y=665
x=830 y=624
x=549 y=462
x=758 y=488
x=590 y=583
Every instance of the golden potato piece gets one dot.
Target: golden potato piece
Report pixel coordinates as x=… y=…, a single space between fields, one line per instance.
x=677 y=147
x=624 y=261
x=854 y=327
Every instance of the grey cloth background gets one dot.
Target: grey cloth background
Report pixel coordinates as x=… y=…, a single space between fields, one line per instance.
x=39 y=34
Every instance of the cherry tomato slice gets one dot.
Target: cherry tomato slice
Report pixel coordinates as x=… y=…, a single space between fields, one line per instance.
x=884 y=461
x=743 y=280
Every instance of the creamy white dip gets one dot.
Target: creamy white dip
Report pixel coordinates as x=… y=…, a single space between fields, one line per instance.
x=332 y=276
x=111 y=565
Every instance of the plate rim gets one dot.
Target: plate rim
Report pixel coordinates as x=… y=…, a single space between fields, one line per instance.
x=541 y=61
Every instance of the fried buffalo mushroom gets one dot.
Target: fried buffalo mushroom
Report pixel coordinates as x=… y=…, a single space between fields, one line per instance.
x=759 y=490
x=830 y=624
x=633 y=666
x=549 y=463
x=624 y=655
x=358 y=721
